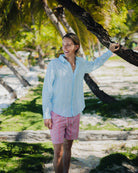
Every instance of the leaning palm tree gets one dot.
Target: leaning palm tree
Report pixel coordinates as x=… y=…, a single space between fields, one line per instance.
x=36 y=5
x=8 y=88
x=24 y=82
x=98 y=30
x=14 y=58
x=89 y=79
x=14 y=13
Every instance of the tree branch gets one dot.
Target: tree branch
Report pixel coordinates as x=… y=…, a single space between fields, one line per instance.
x=127 y=54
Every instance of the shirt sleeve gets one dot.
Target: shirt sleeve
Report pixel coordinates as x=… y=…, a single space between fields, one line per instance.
x=47 y=91
x=93 y=65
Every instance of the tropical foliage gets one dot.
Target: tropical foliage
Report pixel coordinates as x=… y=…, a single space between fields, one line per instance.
x=25 y=24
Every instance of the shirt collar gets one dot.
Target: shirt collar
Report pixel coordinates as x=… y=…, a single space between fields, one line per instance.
x=61 y=57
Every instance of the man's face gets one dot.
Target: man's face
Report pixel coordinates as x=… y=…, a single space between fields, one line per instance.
x=69 y=47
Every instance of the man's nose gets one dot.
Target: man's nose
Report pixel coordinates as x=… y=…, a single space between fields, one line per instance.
x=65 y=47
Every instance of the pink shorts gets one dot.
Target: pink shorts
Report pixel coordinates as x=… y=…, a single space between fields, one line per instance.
x=64 y=127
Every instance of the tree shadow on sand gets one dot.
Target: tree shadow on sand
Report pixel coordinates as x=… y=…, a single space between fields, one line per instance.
x=24 y=157
x=29 y=106
x=127 y=107
x=117 y=163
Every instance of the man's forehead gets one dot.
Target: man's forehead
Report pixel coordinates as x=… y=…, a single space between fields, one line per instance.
x=67 y=40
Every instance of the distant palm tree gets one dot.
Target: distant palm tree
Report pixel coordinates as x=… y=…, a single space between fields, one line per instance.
x=14 y=58
x=24 y=82
x=8 y=88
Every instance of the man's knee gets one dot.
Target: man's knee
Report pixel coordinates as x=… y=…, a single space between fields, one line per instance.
x=67 y=144
x=58 y=150
x=58 y=153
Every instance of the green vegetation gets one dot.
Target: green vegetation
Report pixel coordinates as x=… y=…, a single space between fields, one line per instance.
x=25 y=25
x=122 y=148
x=123 y=108
x=99 y=126
x=118 y=155
x=114 y=163
x=23 y=157
x=127 y=107
x=26 y=113
x=120 y=159
x=115 y=58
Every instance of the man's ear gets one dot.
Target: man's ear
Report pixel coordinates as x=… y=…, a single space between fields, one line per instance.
x=77 y=47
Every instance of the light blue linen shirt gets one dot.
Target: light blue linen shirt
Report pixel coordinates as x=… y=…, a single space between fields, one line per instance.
x=63 y=89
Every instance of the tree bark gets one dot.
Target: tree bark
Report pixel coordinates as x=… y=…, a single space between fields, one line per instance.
x=14 y=58
x=53 y=18
x=99 y=48
x=8 y=88
x=90 y=82
x=97 y=29
x=99 y=93
x=40 y=59
x=21 y=79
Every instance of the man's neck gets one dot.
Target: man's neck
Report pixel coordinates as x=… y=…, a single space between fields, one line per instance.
x=71 y=59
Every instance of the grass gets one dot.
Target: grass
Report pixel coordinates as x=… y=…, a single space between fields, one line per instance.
x=113 y=110
x=99 y=126
x=26 y=113
x=123 y=108
x=115 y=58
x=118 y=155
x=114 y=162
x=24 y=157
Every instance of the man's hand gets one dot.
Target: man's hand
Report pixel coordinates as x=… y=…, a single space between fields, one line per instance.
x=48 y=123
x=114 y=47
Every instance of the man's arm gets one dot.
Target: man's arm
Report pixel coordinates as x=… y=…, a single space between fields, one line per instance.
x=47 y=94
x=98 y=62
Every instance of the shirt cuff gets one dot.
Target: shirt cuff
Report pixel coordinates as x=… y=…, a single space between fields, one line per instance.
x=109 y=53
x=47 y=115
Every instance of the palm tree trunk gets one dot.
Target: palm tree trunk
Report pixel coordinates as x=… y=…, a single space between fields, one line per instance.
x=40 y=59
x=17 y=74
x=97 y=29
x=53 y=18
x=99 y=48
x=14 y=58
x=90 y=82
x=99 y=93
x=8 y=88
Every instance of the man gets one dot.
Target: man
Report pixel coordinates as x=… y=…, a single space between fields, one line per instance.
x=63 y=99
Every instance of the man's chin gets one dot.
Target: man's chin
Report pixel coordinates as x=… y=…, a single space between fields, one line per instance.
x=66 y=54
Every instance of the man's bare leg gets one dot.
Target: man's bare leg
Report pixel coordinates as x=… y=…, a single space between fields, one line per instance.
x=58 y=158
x=67 y=155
